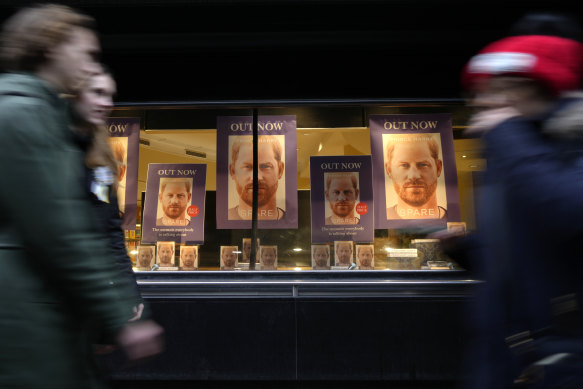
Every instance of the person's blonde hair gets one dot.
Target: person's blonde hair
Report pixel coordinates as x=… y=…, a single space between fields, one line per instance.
x=100 y=152
x=32 y=32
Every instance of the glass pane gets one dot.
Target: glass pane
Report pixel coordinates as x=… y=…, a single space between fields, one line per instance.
x=189 y=137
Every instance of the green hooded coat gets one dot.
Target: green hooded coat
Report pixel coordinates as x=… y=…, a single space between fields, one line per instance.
x=57 y=279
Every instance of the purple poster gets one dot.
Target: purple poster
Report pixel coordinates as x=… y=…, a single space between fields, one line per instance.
x=124 y=139
x=174 y=209
x=415 y=177
x=277 y=187
x=341 y=198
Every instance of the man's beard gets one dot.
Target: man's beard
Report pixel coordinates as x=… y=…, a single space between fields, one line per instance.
x=264 y=193
x=344 y=257
x=173 y=212
x=416 y=197
x=342 y=208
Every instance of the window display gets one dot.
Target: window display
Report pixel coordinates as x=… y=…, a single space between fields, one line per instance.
x=317 y=171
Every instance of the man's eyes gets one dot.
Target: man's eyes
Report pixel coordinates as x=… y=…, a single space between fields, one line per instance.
x=420 y=165
x=346 y=193
x=262 y=166
x=180 y=196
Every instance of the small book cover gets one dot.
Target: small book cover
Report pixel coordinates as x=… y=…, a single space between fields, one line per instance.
x=268 y=257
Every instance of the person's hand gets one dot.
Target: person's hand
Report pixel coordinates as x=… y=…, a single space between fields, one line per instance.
x=137 y=311
x=141 y=339
x=484 y=121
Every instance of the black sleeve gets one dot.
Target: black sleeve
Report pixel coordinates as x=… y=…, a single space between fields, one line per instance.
x=466 y=251
x=117 y=242
x=109 y=220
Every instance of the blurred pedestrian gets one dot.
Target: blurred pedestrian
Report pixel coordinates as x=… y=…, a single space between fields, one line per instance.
x=531 y=205
x=92 y=106
x=58 y=280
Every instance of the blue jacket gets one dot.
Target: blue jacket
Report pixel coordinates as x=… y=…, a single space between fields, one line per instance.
x=530 y=221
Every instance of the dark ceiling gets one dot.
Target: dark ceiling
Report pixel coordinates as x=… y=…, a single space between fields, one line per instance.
x=238 y=49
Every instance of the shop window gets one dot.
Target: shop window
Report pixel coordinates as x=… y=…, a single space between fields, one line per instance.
x=189 y=135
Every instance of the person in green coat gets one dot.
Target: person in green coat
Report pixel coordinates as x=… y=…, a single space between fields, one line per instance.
x=60 y=287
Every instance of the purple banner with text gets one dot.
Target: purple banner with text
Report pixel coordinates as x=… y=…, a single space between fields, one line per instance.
x=277 y=186
x=174 y=208
x=124 y=139
x=415 y=177
x=342 y=198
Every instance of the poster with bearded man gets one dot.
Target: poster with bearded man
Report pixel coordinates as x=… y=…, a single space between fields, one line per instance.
x=341 y=198
x=414 y=171
x=277 y=172
x=124 y=140
x=174 y=205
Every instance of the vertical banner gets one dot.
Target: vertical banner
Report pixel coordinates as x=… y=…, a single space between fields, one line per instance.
x=342 y=198
x=277 y=196
x=174 y=208
x=124 y=139
x=415 y=177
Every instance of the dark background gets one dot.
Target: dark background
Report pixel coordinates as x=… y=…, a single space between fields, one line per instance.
x=199 y=50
